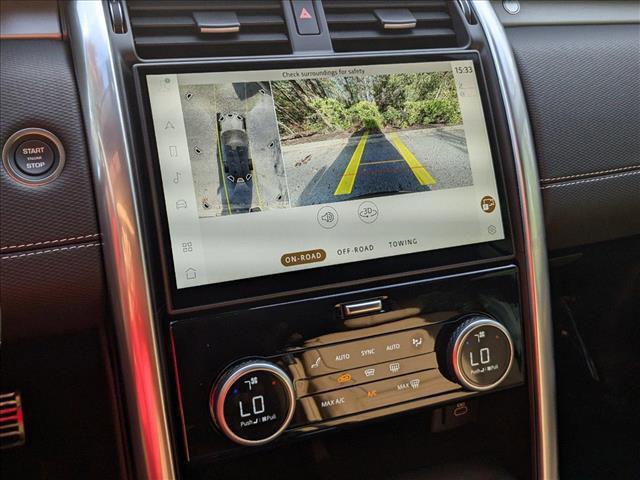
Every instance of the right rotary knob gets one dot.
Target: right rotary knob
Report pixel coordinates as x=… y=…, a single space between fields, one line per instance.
x=480 y=353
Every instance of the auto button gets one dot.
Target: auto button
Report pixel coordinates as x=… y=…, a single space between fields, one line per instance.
x=366 y=351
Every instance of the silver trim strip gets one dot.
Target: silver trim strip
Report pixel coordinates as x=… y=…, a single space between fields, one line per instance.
x=30 y=36
x=360 y=308
x=534 y=238
x=400 y=26
x=100 y=90
x=233 y=29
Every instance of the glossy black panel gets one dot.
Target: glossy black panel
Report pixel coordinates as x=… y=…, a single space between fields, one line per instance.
x=330 y=358
x=495 y=444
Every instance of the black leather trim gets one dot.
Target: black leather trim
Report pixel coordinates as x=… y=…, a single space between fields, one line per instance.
x=583 y=92
x=55 y=316
x=39 y=90
x=592 y=210
x=54 y=328
x=52 y=291
x=69 y=406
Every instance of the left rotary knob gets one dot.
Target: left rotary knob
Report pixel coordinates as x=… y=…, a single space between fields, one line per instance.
x=253 y=402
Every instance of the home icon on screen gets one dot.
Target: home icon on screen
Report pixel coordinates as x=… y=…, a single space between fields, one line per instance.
x=190 y=273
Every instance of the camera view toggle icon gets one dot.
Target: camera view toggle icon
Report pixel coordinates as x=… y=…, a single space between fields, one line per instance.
x=327 y=217
x=368 y=212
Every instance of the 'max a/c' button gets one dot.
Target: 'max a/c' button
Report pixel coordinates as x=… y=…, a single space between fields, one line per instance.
x=384 y=393
x=34 y=157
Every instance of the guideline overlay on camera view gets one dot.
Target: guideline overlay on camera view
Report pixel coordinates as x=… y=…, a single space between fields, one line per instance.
x=273 y=171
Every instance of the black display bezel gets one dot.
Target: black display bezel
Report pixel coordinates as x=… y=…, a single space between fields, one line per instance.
x=312 y=279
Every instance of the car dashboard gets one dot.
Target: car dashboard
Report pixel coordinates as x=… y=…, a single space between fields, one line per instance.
x=319 y=239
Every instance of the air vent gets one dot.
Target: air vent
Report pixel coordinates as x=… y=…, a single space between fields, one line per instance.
x=215 y=28
x=357 y=25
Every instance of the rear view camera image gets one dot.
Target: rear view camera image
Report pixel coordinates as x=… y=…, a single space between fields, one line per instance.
x=259 y=146
x=357 y=137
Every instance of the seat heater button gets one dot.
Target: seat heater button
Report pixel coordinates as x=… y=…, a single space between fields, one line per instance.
x=34 y=157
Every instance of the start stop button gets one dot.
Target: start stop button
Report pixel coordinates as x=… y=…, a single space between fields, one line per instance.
x=33 y=156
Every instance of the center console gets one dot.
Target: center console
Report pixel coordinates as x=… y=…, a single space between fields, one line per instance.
x=333 y=266
x=315 y=249
x=281 y=371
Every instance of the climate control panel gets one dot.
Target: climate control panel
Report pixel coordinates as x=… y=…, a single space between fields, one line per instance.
x=249 y=377
x=255 y=401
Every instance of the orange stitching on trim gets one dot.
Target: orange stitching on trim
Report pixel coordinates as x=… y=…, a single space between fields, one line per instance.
x=47 y=242
x=61 y=249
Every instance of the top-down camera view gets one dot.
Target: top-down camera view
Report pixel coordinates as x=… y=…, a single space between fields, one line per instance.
x=234 y=148
x=319 y=240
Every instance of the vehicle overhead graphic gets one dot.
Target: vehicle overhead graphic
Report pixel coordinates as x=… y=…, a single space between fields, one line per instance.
x=238 y=167
x=319 y=239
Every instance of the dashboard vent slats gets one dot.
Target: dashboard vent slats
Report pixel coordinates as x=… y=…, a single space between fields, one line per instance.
x=354 y=25
x=168 y=28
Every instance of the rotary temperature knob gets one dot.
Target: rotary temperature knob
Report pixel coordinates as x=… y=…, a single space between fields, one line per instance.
x=253 y=402
x=480 y=353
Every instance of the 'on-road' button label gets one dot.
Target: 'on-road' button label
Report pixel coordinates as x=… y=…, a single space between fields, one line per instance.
x=302 y=258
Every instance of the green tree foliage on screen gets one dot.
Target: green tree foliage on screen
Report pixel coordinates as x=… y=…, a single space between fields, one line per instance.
x=404 y=100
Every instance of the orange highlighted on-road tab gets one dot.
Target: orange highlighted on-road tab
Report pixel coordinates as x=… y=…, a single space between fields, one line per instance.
x=302 y=258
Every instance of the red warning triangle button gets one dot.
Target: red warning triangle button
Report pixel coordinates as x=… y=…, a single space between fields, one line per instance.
x=305 y=15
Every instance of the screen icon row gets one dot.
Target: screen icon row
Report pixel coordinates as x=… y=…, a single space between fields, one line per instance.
x=328 y=216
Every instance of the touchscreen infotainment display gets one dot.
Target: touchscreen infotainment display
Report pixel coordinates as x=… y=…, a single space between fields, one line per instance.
x=273 y=171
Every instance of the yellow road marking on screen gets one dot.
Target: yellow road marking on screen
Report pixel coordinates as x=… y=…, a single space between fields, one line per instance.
x=424 y=178
x=349 y=176
x=224 y=177
x=255 y=180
